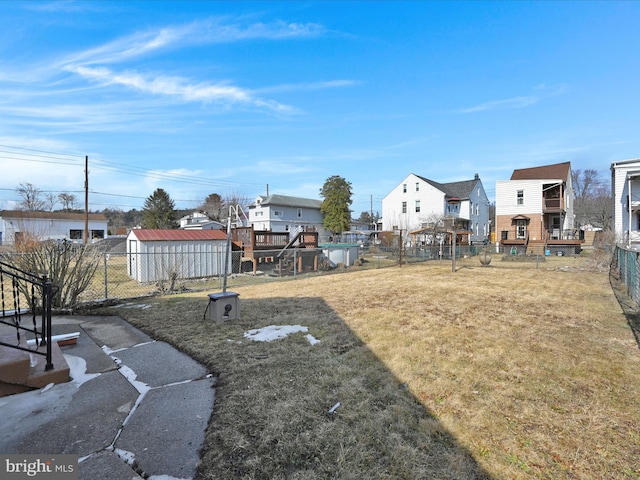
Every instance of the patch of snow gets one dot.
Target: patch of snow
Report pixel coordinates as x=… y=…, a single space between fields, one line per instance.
x=312 y=339
x=273 y=332
x=167 y=477
x=131 y=376
x=128 y=457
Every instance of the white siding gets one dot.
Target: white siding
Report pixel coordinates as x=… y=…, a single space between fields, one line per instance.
x=153 y=261
x=432 y=202
x=626 y=229
x=278 y=218
x=506 y=197
x=47 y=229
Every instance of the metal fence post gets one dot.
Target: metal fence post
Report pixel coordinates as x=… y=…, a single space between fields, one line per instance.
x=46 y=330
x=295 y=262
x=106 y=278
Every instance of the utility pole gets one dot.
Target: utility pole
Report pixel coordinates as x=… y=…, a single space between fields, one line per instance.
x=371 y=212
x=86 y=199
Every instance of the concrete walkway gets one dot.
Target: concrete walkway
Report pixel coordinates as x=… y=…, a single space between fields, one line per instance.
x=135 y=408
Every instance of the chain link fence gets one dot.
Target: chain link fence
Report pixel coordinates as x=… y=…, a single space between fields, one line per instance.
x=131 y=275
x=120 y=275
x=625 y=266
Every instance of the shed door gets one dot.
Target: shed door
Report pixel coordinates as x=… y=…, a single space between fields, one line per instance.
x=133 y=259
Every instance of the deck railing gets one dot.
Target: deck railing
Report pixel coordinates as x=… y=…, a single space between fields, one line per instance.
x=25 y=295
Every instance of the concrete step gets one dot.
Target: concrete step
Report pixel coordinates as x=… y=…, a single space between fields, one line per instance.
x=21 y=371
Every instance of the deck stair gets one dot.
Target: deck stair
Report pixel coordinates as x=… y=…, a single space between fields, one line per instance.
x=536 y=247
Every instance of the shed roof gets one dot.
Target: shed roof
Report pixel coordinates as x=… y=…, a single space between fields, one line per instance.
x=26 y=214
x=160 y=235
x=558 y=171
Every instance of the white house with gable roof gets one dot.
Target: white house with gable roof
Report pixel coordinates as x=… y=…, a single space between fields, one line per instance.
x=418 y=201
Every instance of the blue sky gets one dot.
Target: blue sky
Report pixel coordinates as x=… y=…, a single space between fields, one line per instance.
x=228 y=97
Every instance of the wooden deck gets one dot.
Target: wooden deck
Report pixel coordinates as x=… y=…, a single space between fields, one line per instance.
x=275 y=247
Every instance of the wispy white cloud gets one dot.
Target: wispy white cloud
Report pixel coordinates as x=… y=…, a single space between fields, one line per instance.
x=542 y=91
x=178 y=87
x=96 y=64
x=179 y=36
x=292 y=87
x=515 y=102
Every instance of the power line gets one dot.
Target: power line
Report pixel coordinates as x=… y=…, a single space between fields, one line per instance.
x=112 y=166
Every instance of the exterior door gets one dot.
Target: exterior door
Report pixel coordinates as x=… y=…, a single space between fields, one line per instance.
x=521 y=229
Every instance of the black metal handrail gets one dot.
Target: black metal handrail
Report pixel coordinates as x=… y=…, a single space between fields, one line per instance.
x=25 y=286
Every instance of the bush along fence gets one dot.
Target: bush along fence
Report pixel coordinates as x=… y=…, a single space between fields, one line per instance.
x=625 y=267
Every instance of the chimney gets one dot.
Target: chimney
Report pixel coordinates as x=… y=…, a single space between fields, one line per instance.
x=476 y=177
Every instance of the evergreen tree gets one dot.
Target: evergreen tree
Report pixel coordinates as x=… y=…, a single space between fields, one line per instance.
x=159 y=211
x=336 y=194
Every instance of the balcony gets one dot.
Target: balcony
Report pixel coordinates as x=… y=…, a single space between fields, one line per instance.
x=553 y=205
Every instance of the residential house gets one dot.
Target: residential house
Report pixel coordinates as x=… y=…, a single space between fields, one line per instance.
x=534 y=209
x=17 y=224
x=417 y=203
x=199 y=221
x=625 y=186
x=282 y=213
x=157 y=254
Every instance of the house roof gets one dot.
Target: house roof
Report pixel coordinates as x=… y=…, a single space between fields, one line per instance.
x=461 y=190
x=160 y=235
x=546 y=172
x=26 y=214
x=286 y=201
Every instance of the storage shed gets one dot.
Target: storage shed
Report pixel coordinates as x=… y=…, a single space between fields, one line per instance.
x=154 y=255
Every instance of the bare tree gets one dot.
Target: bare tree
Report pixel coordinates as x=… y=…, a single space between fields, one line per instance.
x=31 y=197
x=50 y=201
x=231 y=200
x=592 y=199
x=68 y=201
x=585 y=183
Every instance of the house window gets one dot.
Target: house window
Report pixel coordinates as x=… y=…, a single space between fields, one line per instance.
x=97 y=234
x=521 y=229
x=404 y=207
x=75 y=234
x=299 y=212
x=520 y=197
x=258 y=214
x=477 y=209
x=404 y=188
x=417 y=205
x=277 y=213
x=417 y=186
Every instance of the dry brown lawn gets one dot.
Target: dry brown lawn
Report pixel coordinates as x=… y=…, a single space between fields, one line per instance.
x=508 y=371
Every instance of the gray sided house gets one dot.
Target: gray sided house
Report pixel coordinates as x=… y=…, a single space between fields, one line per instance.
x=18 y=224
x=282 y=213
x=154 y=255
